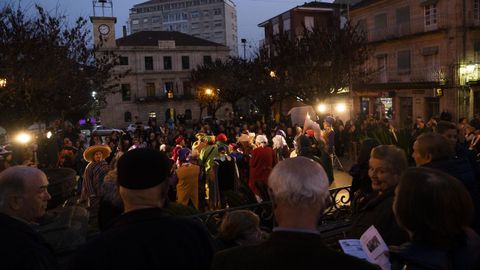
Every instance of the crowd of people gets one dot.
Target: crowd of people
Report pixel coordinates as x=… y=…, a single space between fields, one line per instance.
x=425 y=205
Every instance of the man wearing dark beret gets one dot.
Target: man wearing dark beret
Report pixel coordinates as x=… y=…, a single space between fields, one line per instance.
x=144 y=236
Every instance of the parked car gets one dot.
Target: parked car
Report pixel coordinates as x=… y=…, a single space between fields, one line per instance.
x=105 y=131
x=132 y=127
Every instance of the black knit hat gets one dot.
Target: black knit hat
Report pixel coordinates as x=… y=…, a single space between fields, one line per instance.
x=143 y=168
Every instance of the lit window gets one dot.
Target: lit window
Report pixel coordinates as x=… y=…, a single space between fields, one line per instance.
x=309 y=22
x=152 y=115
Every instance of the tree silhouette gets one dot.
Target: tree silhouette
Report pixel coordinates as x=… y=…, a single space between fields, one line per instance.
x=50 y=68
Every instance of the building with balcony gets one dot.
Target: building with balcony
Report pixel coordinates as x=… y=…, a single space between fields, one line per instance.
x=293 y=23
x=296 y=20
x=213 y=20
x=156 y=86
x=424 y=61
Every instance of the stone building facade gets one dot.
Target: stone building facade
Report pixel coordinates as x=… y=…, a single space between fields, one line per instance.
x=213 y=20
x=424 y=61
x=156 y=86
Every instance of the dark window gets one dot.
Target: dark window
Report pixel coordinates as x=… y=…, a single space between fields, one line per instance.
x=148 y=63
x=188 y=114
x=126 y=93
x=127 y=116
x=476 y=102
x=403 y=61
x=123 y=60
x=167 y=63
x=150 y=89
x=362 y=26
x=185 y=62
x=187 y=89
x=476 y=9
x=403 y=21
x=380 y=26
x=207 y=59
x=168 y=87
x=432 y=107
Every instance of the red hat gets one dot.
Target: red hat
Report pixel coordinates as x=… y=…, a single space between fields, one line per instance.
x=179 y=139
x=221 y=137
x=310 y=133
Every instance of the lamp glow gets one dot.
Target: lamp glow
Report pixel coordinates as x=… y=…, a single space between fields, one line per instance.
x=341 y=107
x=23 y=138
x=3 y=82
x=273 y=74
x=322 y=108
x=208 y=92
x=470 y=68
x=49 y=135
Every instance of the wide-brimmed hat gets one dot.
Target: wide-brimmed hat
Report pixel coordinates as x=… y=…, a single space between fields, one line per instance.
x=90 y=151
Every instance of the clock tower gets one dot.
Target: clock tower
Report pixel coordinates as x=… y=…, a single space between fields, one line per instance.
x=103 y=25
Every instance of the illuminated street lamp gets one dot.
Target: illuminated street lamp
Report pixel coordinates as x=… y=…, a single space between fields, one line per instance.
x=341 y=107
x=209 y=92
x=3 y=82
x=273 y=74
x=49 y=134
x=322 y=108
x=23 y=138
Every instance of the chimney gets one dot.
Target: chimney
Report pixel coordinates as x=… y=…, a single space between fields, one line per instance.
x=124 y=30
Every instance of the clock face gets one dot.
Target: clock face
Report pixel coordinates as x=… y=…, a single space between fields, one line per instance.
x=103 y=29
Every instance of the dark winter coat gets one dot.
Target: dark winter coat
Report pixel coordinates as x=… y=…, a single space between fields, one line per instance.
x=148 y=239
x=23 y=248
x=422 y=256
x=377 y=210
x=287 y=250
x=463 y=171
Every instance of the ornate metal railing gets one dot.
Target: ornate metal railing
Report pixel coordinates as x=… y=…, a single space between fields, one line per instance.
x=336 y=217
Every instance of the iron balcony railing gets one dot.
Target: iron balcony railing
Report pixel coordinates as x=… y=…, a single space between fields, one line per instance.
x=418 y=74
x=162 y=98
x=414 y=26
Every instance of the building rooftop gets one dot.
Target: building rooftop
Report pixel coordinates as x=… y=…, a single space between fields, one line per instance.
x=364 y=3
x=151 y=2
x=321 y=6
x=151 y=38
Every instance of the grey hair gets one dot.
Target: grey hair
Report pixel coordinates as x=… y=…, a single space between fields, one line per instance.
x=12 y=181
x=394 y=158
x=299 y=182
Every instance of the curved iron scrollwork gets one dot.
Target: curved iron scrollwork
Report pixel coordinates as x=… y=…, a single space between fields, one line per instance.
x=338 y=212
x=213 y=219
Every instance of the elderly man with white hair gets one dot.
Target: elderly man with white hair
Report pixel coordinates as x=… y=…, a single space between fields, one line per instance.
x=261 y=164
x=299 y=191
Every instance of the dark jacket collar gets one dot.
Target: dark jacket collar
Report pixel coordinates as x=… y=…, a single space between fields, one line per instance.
x=137 y=216
x=375 y=198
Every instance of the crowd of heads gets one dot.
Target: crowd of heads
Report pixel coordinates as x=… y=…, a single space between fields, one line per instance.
x=433 y=207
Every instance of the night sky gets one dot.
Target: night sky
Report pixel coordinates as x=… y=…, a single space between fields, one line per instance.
x=249 y=12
